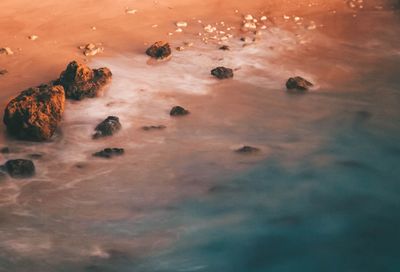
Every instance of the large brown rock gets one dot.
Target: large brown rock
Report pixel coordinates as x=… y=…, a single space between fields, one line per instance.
x=79 y=81
x=35 y=113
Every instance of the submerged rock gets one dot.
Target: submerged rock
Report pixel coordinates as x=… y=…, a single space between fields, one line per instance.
x=178 y=111
x=224 y=47
x=107 y=127
x=298 y=83
x=158 y=127
x=20 y=168
x=79 y=81
x=247 y=149
x=222 y=72
x=159 y=50
x=109 y=152
x=35 y=113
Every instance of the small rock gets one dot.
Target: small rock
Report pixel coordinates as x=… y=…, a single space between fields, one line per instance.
x=79 y=81
x=130 y=11
x=91 y=49
x=181 y=24
x=20 y=168
x=109 y=153
x=248 y=17
x=33 y=37
x=107 y=127
x=6 y=51
x=180 y=48
x=35 y=156
x=298 y=83
x=35 y=114
x=222 y=72
x=224 y=48
x=3 y=72
x=159 y=127
x=178 y=111
x=247 y=149
x=159 y=50
x=5 y=150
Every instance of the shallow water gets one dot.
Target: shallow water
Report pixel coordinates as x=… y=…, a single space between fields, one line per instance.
x=322 y=195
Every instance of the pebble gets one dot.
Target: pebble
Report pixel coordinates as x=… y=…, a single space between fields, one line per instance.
x=91 y=49
x=130 y=11
x=181 y=24
x=6 y=51
x=33 y=37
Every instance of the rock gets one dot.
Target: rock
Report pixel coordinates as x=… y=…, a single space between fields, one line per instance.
x=247 y=149
x=6 y=51
x=20 y=168
x=35 y=156
x=91 y=49
x=159 y=50
x=224 y=48
x=107 y=127
x=298 y=83
x=181 y=24
x=222 y=72
x=159 y=127
x=130 y=11
x=35 y=113
x=33 y=37
x=109 y=153
x=79 y=81
x=3 y=72
x=5 y=150
x=178 y=111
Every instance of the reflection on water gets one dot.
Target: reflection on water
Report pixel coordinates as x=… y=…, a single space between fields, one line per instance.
x=321 y=196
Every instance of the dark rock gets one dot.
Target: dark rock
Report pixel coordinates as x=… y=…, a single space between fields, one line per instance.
x=224 y=48
x=298 y=83
x=247 y=149
x=222 y=72
x=35 y=114
x=109 y=153
x=3 y=72
x=79 y=81
x=178 y=111
x=20 y=168
x=159 y=127
x=5 y=150
x=159 y=50
x=35 y=156
x=107 y=127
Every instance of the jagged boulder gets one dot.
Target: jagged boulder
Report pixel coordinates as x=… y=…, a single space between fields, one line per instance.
x=107 y=127
x=79 y=81
x=222 y=72
x=159 y=50
x=35 y=114
x=298 y=83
